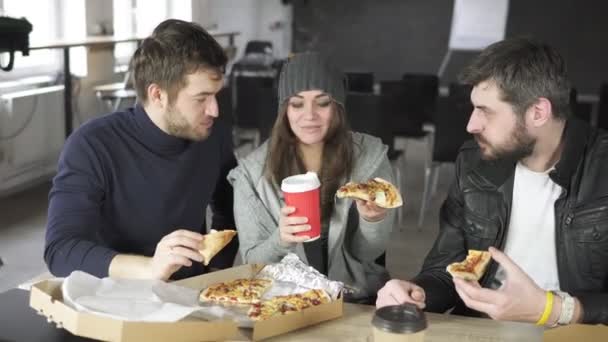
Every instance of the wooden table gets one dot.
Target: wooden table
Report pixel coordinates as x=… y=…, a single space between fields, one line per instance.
x=355 y=325
x=19 y=322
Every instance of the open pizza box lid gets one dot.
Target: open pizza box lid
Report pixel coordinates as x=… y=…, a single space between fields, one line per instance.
x=46 y=298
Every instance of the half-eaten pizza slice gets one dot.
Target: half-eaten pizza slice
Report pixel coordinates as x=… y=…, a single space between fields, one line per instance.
x=473 y=267
x=377 y=190
x=214 y=242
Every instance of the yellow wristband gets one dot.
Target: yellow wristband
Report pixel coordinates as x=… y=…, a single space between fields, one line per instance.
x=548 y=308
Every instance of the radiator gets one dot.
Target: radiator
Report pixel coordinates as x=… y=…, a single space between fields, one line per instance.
x=31 y=136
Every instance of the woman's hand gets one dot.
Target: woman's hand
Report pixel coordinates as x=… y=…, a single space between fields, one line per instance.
x=289 y=225
x=370 y=212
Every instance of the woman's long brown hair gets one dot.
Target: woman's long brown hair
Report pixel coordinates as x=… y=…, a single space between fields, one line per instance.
x=284 y=159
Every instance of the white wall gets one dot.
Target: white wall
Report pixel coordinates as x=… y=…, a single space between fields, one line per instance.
x=254 y=20
x=234 y=15
x=274 y=24
x=98 y=13
x=99 y=61
x=31 y=136
x=200 y=12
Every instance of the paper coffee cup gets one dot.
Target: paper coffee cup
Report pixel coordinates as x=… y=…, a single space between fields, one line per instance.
x=303 y=193
x=399 y=323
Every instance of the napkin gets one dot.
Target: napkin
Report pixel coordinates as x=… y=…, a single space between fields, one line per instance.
x=129 y=299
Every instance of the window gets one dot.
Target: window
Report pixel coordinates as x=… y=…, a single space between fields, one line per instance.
x=124 y=27
x=140 y=17
x=45 y=28
x=75 y=29
x=48 y=26
x=180 y=10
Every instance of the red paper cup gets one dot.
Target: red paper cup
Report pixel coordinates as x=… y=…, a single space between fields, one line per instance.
x=302 y=192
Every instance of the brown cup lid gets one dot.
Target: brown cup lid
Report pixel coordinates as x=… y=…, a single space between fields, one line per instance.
x=402 y=319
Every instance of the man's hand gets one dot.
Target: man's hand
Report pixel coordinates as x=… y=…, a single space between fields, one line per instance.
x=370 y=212
x=518 y=299
x=397 y=292
x=174 y=251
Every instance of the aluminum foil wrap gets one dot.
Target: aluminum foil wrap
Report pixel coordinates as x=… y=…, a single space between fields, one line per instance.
x=292 y=269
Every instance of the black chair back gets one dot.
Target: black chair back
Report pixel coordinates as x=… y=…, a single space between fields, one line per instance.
x=367 y=113
x=572 y=99
x=224 y=103
x=451 y=120
x=602 y=110
x=254 y=95
x=267 y=110
x=256 y=104
x=360 y=82
x=421 y=91
x=404 y=120
x=578 y=109
x=259 y=46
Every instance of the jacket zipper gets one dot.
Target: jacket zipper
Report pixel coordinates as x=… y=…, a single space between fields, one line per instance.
x=499 y=243
x=560 y=226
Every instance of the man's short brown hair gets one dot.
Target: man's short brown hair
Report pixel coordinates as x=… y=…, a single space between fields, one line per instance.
x=175 y=49
x=524 y=70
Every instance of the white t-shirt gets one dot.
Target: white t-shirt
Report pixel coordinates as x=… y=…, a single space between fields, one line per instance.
x=531 y=235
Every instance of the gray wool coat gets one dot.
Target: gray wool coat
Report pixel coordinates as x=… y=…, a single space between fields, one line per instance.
x=354 y=244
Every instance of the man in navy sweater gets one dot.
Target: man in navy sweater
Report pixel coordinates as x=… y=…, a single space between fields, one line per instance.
x=132 y=187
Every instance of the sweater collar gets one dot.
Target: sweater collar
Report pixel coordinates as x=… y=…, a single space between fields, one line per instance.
x=153 y=137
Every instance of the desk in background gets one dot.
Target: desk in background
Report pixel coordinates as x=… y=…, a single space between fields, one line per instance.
x=100 y=42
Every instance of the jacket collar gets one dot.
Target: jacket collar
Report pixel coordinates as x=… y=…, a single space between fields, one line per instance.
x=494 y=173
x=576 y=135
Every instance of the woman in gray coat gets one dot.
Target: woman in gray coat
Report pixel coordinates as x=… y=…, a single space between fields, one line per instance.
x=311 y=134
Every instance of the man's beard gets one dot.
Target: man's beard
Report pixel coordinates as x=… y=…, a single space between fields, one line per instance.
x=519 y=145
x=178 y=126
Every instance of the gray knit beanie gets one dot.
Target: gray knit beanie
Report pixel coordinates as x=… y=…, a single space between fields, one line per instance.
x=308 y=71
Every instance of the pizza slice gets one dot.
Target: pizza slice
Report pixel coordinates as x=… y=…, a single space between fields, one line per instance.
x=214 y=242
x=377 y=190
x=473 y=267
x=283 y=305
x=238 y=291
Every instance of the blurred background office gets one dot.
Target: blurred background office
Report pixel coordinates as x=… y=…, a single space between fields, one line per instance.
x=401 y=58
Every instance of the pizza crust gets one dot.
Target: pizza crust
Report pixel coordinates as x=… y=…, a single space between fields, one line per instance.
x=472 y=268
x=214 y=242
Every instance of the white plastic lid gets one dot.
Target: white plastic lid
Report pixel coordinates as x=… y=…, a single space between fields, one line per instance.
x=301 y=183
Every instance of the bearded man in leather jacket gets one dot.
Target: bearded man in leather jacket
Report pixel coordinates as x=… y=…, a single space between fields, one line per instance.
x=532 y=189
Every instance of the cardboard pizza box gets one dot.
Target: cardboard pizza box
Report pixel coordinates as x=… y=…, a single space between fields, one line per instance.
x=276 y=325
x=46 y=298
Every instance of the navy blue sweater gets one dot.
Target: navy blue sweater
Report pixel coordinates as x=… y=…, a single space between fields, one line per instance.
x=123 y=184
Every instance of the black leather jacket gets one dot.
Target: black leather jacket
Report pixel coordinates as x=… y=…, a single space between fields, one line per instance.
x=476 y=215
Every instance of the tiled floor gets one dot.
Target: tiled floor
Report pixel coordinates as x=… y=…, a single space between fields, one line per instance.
x=23 y=220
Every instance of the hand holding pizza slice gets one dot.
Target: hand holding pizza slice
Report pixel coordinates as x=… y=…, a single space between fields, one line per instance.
x=472 y=268
x=377 y=190
x=214 y=242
